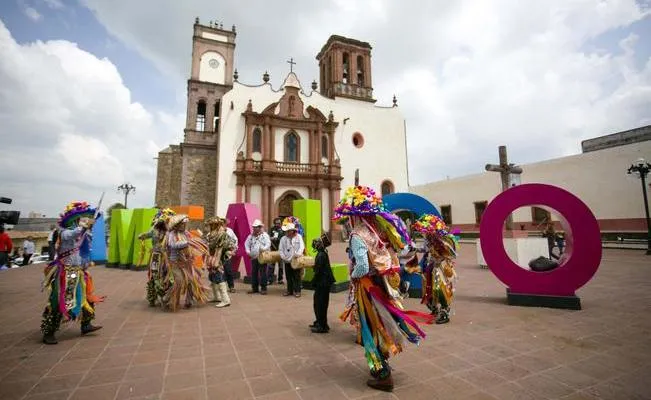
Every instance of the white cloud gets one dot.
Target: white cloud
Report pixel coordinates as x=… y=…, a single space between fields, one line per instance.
x=54 y=4
x=32 y=14
x=469 y=75
x=70 y=129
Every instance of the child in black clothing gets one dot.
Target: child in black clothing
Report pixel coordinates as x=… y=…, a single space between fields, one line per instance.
x=322 y=281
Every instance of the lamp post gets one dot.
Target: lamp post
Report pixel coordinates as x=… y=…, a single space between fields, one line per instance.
x=642 y=168
x=126 y=188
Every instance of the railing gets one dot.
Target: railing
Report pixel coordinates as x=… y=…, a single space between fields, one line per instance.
x=351 y=90
x=286 y=167
x=198 y=137
x=292 y=167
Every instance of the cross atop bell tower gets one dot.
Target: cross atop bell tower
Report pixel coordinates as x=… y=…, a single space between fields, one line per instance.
x=291 y=64
x=345 y=69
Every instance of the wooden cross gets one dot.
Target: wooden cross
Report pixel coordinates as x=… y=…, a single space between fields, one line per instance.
x=505 y=169
x=291 y=64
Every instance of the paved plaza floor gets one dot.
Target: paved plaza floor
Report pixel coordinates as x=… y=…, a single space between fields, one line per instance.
x=261 y=346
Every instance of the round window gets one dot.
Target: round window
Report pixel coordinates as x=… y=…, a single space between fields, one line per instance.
x=358 y=140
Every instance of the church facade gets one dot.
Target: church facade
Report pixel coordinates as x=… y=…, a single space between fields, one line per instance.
x=266 y=146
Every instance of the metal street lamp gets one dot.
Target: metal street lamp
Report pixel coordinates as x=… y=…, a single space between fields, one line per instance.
x=126 y=188
x=642 y=168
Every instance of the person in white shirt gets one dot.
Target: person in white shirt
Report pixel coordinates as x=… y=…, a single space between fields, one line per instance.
x=291 y=246
x=256 y=243
x=228 y=265
x=28 y=249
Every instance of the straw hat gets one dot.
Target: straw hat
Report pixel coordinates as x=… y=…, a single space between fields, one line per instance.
x=177 y=219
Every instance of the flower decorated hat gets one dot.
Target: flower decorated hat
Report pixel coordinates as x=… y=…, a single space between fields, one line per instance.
x=358 y=200
x=295 y=222
x=73 y=212
x=362 y=201
x=435 y=231
x=163 y=215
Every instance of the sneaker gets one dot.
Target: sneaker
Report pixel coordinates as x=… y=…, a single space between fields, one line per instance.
x=263 y=292
x=318 y=329
x=281 y=282
x=297 y=295
x=252 y=292
x=232 y=290
x=287 y=294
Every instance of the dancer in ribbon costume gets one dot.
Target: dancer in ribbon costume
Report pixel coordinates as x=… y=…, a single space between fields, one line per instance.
x=183 y=278
x=157 y=268
x=220 y=249
x=67 y=281
x=439 y=275
x=373 y=305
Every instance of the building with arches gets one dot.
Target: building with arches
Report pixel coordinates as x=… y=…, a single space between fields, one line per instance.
x=269 y=146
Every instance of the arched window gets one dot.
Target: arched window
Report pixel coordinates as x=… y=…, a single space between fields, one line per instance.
x=291 y=147
x=257 y=141
x=346 y=65
x=360 y=70
x=387 y=188
x=324 y=146
x=200 y=124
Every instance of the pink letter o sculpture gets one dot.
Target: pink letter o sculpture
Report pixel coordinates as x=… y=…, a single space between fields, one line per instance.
x=583 y=251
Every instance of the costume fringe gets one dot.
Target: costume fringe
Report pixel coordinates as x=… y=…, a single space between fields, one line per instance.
x=383 y=327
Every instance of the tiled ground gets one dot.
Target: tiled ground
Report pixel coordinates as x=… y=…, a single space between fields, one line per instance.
x=261 y=346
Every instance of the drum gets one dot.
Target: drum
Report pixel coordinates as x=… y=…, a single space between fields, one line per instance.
x=269 y=257
x=302 y=262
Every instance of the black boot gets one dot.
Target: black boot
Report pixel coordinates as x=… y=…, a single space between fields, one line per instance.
x=320 y=329
x=88 y=328
x=443 y=317
x=50 y=339
x=384 y=384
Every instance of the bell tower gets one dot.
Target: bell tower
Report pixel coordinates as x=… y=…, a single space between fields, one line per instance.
x=211 y=76
x=345 y=69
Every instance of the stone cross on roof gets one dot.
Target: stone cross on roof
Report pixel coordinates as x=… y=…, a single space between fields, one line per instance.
x=505 y=169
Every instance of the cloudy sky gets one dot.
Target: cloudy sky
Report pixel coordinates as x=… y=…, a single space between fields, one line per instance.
x=91 y=90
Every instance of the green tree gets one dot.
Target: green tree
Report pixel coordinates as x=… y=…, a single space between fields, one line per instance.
x=109 y=211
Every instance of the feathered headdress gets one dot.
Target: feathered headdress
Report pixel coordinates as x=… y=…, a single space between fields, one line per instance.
x=73 y=212
x=295 y=221
x=163 y=215
x=435 y=231
x=362 y=201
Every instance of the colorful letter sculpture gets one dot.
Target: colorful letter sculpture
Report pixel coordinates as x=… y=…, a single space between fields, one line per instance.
x=309 y=213
x=241 y=217
x=555 y=288
x=98 y=247
x=411 y=202
x=418 y=205
x=124 y=247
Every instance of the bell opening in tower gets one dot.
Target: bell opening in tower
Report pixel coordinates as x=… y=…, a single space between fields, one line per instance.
x=201 y=116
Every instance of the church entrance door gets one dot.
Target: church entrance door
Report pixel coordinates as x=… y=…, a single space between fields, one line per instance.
x=284 y=208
